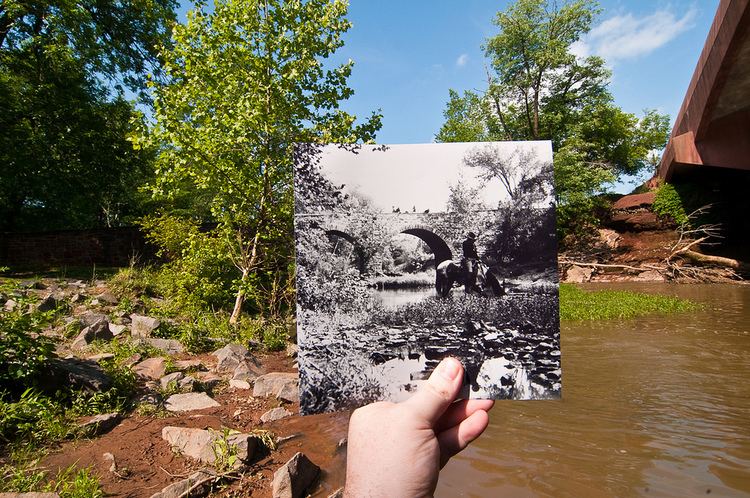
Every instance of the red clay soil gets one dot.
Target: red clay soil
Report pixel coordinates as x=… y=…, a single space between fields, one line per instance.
x=146 y=464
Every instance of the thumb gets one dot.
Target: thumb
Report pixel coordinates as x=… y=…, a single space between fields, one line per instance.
x=440 y=390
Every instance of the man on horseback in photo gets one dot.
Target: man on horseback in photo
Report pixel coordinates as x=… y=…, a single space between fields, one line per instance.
x=470 y=263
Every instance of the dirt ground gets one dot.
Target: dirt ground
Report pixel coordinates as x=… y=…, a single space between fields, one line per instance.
x=145 y=463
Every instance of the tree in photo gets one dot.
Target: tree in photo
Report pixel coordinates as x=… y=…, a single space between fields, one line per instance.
x=245 y=83
x=537 y=89
x=65 y=161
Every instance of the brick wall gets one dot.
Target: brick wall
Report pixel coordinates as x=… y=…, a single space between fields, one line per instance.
x=105 y=247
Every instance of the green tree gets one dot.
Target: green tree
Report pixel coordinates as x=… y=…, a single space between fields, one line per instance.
x=65 y=160
x=538 y=90
x=246 y=82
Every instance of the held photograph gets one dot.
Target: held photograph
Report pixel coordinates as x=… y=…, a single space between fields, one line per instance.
x=410 y=253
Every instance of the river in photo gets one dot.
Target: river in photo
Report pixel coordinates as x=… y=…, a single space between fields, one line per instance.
x=393 y=298
x=654 y=406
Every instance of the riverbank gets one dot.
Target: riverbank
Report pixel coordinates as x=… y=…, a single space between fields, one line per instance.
x=131 y=370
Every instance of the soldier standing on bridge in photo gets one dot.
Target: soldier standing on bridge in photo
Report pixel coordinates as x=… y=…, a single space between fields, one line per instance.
x=471 y=262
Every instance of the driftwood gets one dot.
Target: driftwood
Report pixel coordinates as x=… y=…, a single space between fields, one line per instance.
x=716 y=260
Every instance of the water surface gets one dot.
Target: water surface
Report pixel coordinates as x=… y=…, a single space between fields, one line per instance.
x=656 y=406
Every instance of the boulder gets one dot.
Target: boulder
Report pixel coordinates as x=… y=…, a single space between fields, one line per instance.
x=289 y=393
x=47 y=303
x=239 y=384
x=209 y=380
x=153 y=368
x=143 y=326
x=84 y=375
x=271 y=384
x=189 y=365
x=186 y=384
x=117 y=329
x=291 y=480
x=635 y=201
x=189 y=402
x=608 y=238
x=175 y=377
x=108 y=297
x=650 y=276
x=10 y=305
x=89 y=318
x=231 y=356
x=96 y=331
x=205 y=445
x=100 y=424
x=275 y=414
x=169 y=346
x=577 y=274
x=196 y=485
x=248 y=370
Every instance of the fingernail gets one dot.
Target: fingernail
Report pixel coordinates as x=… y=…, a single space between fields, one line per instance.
x=449 y=369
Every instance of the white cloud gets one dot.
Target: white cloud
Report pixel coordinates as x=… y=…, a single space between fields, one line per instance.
x=627 y=37
x=462 y=60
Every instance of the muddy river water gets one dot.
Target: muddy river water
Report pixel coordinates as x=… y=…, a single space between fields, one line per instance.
x=656 y=406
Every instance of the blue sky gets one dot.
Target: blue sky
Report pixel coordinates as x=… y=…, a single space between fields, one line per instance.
x=408 y=54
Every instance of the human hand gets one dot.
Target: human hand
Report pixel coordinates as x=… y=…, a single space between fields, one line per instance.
x=396 y=450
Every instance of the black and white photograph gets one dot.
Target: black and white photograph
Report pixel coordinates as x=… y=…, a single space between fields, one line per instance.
x=410 y=253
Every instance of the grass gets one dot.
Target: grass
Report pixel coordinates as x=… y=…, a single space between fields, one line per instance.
x=70 y=482
x=578 y=304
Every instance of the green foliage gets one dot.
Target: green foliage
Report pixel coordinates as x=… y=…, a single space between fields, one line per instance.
x=24 y=353
x=34 y=419
x=76 y=483
x=64 y=157
x=539 y=90
x=246 y=81
x=668 y=204
x=199 y=275
x=578 y=304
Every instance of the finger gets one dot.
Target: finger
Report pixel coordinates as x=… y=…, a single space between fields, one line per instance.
x=440 y=390
x=460 y=411
x=459 y=436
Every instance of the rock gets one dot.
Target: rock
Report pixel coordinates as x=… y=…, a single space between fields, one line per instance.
x=291 y=480
x=29 y=495
x=10 y=305
x=76 y=298
x=637 y=222
x=94 y=302
x=292 y=350
x=149 y=399
x=84 y=375
x=100 y=424
x=275 y=414
x=186 y=384
x=205 y=445
x=109 y=458
x=230 y=356
x=117 y=329
x=189 y=402
x=132 y=360
x=272 y=383
x=189 y=365
x=635 y=201
x=108 y=297
x=209 y=380
x=153 y=368
x=576 y=274
x=90 y=318
x=239 y=384
x=609 y=238
x=142 y=326
x=97 y=331
x=247 y=370
x=196 y=485
x=289 y=393
x=48 y=303
x=650 y=276
x=169 y=346
x=175 y=377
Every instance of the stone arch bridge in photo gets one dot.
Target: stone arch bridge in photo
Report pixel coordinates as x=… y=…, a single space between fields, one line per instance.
x=371 y=233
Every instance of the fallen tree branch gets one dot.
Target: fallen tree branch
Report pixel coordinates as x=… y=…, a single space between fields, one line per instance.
x=715 y=260
x=602 y=265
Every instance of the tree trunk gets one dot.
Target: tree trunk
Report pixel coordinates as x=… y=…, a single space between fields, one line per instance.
x=240 y=299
